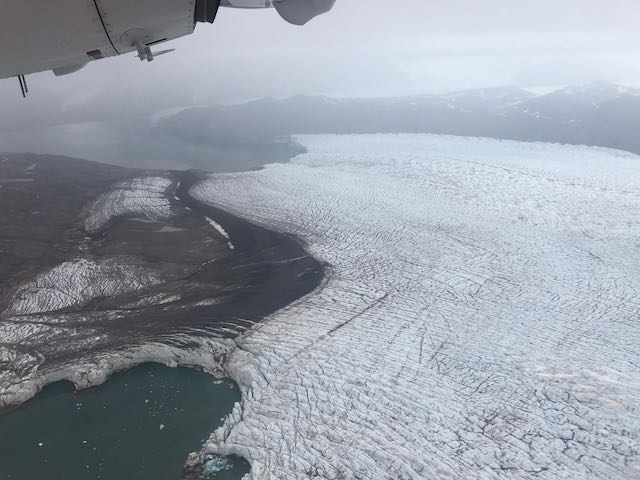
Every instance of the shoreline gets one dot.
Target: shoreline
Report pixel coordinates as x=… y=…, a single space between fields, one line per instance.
x=266 y=271
x=81 y=435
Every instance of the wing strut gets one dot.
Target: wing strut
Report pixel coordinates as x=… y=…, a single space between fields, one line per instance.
x=23 y=85
x=145 y=53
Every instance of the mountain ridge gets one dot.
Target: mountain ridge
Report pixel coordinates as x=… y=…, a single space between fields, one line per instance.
x=243 y=136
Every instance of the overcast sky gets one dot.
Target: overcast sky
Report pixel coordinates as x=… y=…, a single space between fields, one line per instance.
x=369 y=47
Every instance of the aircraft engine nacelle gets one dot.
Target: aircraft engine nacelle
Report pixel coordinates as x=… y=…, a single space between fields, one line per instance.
x=297 y=12
x=300 y=12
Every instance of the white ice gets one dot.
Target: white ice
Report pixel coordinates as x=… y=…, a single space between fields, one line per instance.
x=218 y=228
x=76 y=282
x=479 y=318
x=144 y=196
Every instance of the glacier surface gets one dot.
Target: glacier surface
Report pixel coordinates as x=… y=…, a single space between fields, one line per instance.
x=479 y=317
x=76 y=282
x=144 y=196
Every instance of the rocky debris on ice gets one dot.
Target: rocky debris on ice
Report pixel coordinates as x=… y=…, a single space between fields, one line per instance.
x=478 y=320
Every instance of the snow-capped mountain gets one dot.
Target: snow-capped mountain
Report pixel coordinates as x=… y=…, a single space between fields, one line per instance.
x=228 y=137
x=598 y=92
x=599 y=114
x=574 y=103
x=494 y=99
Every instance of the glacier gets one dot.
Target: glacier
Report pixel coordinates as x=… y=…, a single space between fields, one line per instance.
x=144 y=196
x=76 y=282
x=478 y=318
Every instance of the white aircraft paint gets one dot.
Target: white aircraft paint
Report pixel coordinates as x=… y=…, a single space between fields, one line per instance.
x=63 y=36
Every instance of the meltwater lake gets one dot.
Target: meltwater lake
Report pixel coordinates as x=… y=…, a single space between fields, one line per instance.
x=141 y=424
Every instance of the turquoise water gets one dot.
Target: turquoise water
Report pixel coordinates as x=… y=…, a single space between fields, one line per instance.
x=140 y=425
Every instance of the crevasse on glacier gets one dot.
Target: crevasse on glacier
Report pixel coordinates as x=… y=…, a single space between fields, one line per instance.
x=478 y=319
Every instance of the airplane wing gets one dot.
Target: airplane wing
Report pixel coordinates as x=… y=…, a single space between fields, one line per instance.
x=63 y=36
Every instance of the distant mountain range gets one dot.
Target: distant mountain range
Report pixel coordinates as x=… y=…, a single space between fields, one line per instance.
x=237 y=137
x=597 y=114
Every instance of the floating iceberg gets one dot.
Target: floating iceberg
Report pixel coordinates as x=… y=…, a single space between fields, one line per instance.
x=214 y=464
